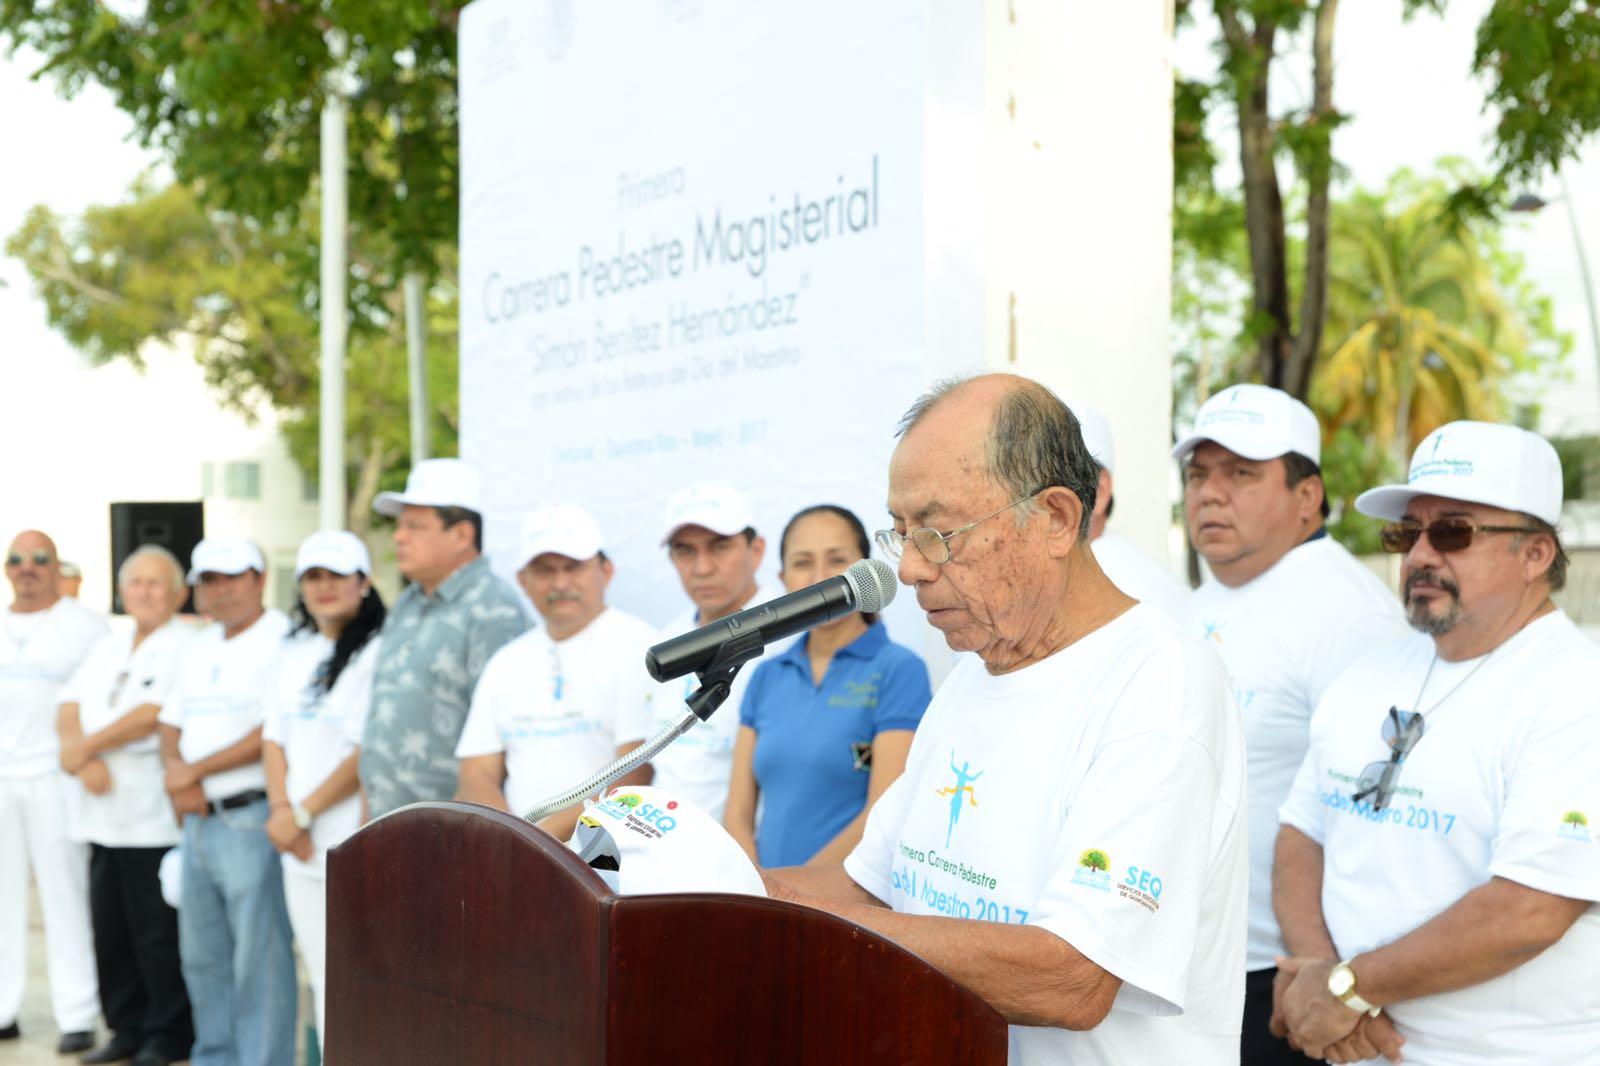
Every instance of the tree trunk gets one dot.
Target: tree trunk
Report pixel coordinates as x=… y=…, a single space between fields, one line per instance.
x=365 y=491
x=1319 y=166
x=1251 y=60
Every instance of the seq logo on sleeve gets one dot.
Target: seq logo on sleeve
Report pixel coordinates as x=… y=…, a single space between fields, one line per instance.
x=1142 y=887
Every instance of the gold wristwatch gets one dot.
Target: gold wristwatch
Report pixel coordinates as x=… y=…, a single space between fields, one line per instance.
x=1342 y=986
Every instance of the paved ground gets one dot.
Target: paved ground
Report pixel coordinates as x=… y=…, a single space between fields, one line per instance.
x=38 y=1044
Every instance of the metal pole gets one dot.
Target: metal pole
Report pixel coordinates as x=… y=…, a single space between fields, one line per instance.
x=417 y=366
x=330 y=466
x=1583 y=266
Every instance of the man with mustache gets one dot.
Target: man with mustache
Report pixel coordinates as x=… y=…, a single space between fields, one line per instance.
x=1287 y=607
x=560 y=701
x=1437 y=838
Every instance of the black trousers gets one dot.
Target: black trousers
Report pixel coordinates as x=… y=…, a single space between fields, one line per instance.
x=136 y=952
x=1258 y=1047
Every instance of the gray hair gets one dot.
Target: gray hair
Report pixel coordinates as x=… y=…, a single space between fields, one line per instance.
x=154 y=551
x=1556 y=575
x=1035 y=442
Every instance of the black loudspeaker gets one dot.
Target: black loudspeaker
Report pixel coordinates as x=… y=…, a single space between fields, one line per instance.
x=177 y=527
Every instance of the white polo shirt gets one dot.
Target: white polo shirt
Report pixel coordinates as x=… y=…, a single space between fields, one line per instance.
x=39 y=650
x=115 y=679
x=560 y=709
x=1099 y=795
x=1285 y=637
x=317 y=731
x=1504 y=782
x=221 y=694
x=698 y=764
x=1140 y=576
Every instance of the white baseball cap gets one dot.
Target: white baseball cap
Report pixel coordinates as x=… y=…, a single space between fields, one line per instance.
x=1256 y=422
x=1477 y=462
x=224 y=555
x=335 y=550
x=435 y=483
x=714 y=505
x=650 y=841
x=1096 y=434
x=562 y=528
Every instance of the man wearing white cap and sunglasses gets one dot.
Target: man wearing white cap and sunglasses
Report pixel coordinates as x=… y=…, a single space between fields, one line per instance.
x=1130 y=569
x=711 y=539
x=233 y=929
x=44 y=636
x=563 y=700
x=1436 y=862
x=1287 y=608
x=441 y=632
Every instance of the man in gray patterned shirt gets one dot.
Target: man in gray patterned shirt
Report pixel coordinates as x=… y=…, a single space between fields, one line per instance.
x=436 y=639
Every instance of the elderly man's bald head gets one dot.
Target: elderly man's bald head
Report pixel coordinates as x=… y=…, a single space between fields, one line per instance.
x=1020 y=432
x=31 y=567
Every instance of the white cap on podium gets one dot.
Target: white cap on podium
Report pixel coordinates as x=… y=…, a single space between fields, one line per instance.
x=646 y=841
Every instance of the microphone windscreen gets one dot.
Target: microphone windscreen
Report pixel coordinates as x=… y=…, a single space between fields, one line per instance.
x=874 y=584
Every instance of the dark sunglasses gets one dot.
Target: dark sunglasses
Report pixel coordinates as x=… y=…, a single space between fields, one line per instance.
x=1401 y=731
x=1446 y=534
x=38 y=558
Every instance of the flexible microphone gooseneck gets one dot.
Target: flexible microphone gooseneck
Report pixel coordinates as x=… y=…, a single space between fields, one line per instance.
x=716 y=651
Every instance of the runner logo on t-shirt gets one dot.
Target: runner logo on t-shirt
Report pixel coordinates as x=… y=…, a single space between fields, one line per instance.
x=964 y=779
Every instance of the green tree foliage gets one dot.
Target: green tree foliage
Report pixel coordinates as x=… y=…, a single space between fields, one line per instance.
x=231 y=93
x=225 y=259
x=1538 y=59
x=163 y=268
x=1429 y=320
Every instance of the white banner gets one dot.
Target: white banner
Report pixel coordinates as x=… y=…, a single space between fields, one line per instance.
x=691 y=248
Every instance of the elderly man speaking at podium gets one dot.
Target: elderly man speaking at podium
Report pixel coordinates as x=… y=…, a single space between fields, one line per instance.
x=1067 y=839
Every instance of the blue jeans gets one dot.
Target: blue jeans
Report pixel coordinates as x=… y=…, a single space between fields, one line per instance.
x=233 y=936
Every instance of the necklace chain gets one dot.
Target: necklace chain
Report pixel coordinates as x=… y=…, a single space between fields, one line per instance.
x=1453 y=688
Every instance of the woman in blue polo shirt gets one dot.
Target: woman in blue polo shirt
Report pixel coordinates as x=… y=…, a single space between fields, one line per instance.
x=824 y=728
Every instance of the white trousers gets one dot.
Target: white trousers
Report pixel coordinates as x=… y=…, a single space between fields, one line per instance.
x=33 y=832
x=305 y=894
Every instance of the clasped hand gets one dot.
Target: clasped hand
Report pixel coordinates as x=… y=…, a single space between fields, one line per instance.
x=1313 y=1021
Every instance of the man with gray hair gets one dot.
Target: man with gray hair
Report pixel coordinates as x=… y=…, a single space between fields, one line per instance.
x=1068 y=837
x=44 y=638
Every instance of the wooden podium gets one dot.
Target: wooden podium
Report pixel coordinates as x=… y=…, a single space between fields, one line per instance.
x=462 y=935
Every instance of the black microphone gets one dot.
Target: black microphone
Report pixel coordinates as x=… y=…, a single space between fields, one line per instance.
x=867 y=586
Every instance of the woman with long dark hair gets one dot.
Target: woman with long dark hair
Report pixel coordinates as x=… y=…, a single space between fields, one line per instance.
x=312 y=732
x=824 y=727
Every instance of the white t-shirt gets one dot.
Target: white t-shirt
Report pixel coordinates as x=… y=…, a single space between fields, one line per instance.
x=115 y=679
x=221 y=694
x=1285 y=637
x=1504 y=782
x=560 y=709
x=39 y=650
x=1140 y=576
x=698 y=764
x=1099 y=795
x=317 y=732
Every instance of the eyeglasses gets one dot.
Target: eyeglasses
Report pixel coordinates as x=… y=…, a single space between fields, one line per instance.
x=1446 y=534
x=935 y=546
x=38 y=559
x=1401 y=731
